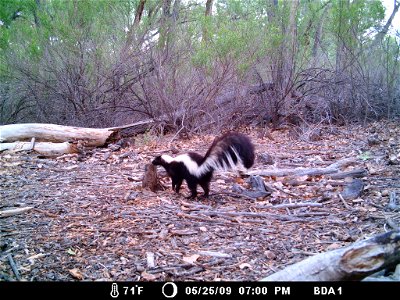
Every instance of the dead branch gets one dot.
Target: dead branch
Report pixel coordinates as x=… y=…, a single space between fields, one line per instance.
x=247 y=214
x=270 y=187
x=353 y=173
x=33 y=140
x=12 y=212
x=292 y=205
x=333 y=168
x=354 y=262
x=14 y=266
x=392 y=224
x=392 y=201
x=344 y=202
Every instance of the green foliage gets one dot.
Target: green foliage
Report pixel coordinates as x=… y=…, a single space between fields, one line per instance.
x=352 y=19
x=365 y=156
x=86 y=40
x=234 y=36
x=71 y=252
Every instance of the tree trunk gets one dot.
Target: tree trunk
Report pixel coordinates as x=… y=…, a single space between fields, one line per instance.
x=139 y=13
x=271 y=9
x=381 y=34
x=165 y=24
x=207 y=14
x=318 y=34
x=341 y=47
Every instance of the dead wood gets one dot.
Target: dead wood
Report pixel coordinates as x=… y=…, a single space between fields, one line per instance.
x=53 y=133
x=12 y=212
x=354 y=262
x=333 y=168
x=353 y=189
x=344 y=202
x=292 y=205
x=92 y=209
x=52 y=139
x=392 y=205
x=352 y=173
x=150 y=179
x=265 y=159
x=248 y=214
x=215 y=254
x=270 y=187
x=14 y=266
x=258 y=188
x=44 y=148
x=33 y=140
x=392 y=224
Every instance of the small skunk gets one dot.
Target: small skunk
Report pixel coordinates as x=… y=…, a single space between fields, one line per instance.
x=230 y=151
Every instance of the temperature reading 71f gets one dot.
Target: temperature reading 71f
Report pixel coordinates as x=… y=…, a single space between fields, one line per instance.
x=134 y=290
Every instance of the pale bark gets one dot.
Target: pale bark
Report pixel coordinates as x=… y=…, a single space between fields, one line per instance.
x=52 y=139
x=333 y=168
x=53 y=133
x=45 y=148
x=15 y=211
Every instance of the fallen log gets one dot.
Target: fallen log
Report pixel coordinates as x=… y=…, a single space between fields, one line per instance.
x=54 y=140
x=333 y=168
x=45 y=148
x=53 y=133
x=353 y=262
x=91 y=137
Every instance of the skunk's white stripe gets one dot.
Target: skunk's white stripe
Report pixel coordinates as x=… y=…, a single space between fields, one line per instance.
x=190 y=164
x=215 y=161
x=168 y=159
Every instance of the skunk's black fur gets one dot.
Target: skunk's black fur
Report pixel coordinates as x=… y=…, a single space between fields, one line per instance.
x=230 y=151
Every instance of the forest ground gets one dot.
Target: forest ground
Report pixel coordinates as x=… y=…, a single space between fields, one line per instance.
x=92 y=220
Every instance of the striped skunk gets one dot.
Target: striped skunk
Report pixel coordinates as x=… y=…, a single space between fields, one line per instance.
x=230 y=151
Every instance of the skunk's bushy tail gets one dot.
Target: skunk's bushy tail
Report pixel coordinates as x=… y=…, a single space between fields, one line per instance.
x=230 y=151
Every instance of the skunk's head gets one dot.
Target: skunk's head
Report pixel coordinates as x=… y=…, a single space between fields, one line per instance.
x=157 y=161
x=162 y=160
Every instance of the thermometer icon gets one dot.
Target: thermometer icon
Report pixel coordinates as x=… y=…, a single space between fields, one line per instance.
x=114 y=290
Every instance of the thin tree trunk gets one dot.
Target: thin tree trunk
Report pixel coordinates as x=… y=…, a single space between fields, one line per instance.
x=131 y=32
x=381 y=34
x=139 y=13
x=208 y=14
x=318 y=33
x=271 y=9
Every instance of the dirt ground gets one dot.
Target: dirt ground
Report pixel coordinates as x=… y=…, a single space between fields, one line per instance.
x=92 y=220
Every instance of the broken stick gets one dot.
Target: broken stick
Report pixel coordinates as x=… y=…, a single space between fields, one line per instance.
x=12 y=212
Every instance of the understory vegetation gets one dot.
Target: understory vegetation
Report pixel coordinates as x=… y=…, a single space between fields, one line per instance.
x=197 y=66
